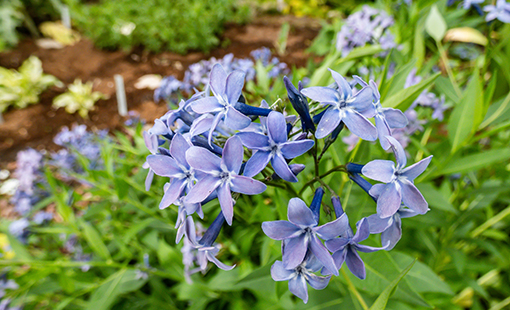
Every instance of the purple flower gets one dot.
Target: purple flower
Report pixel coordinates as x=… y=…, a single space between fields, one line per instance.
x=175 y=167
x=221 y=175
x=346 y=247
x=300 y=275
x=207 y=251
x=274 y=147
x=390 y=227
x=42 y=217
x=500 y=11
x=151 y=142
x=226 y=90
x=19 y=229
x=385 y=118
x=344 y=107
x=169 y=85
x=300 y=235
x=399 y=182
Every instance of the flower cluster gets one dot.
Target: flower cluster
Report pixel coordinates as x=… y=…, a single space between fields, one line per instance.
x=215 y=146
x=197 y=74
x=366 y=26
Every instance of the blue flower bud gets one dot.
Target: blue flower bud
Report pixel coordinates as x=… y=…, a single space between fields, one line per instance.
x=315 y=206
x=300 y=104
x=213 y=231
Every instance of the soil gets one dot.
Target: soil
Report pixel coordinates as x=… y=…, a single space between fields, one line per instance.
x=36 y=125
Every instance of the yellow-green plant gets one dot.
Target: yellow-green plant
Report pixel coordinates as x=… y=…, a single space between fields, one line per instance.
x=79 y=97
x=23 y=87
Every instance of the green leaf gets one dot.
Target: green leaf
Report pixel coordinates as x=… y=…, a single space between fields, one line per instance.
x=475 y=161
x=21 y=253
x=397 y=81
x=405 y=97
x=464 y=118
x=382 y=300
x=496 y=111
x=121 y=282
x=262 y=272
x=444 y=86
x=94 y=240
x=435 y=24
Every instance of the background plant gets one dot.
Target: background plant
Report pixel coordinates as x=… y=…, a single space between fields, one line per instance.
x=79 y=98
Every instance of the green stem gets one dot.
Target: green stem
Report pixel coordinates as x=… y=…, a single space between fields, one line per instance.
x=353 y=290
x=444 y=58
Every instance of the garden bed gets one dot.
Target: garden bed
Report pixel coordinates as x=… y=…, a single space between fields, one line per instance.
x=36 y=125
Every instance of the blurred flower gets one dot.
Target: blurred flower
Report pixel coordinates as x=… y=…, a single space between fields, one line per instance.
x=499 y=11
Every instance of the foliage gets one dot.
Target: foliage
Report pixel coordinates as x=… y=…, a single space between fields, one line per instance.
x=79 y=98
x=21 y=88
x=157 y=25
x=10 y=18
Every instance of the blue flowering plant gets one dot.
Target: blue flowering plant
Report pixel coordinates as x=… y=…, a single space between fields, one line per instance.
x=216 y=147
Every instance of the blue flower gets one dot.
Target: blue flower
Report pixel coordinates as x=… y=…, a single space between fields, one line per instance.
x=385 y=118
x=226 y=90
x=500 y=11
x=300 y=234
x=300 y=275
x=207 y=251
x=344 y=107
x=221 y=175
x=399 y=182
x=346 y=247
x=274 y=147
x=175 y=167
x=390 y=228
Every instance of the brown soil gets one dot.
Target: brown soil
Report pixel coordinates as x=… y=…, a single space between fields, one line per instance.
x=36 y=125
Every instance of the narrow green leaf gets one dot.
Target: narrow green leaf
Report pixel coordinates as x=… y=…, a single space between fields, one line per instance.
x=94 y=240
x=463 y=118
x=435 y=198
x=20 y=252
x=121 y=282
x=435 y=24
x=444 y=86
x=475 y=161
x=382 y=300
x=496 y=111
x=397 y=81
x=419 y=45
x=405 y=97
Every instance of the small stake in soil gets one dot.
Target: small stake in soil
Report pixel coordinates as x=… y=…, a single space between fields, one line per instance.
x=1 y=119
x=121 y=95
x=66 y=16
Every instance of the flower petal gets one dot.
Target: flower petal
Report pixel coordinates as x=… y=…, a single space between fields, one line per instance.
x=398 y=150
x=412 y=197
x=389 y=201
x=236 y=120
x=148 y=180
x=279 y=273
x=322 y=254
x=277 y=127
x=248 y=186
x=317 y=282
x=163 y=165
x=217 y=80
x=337 y=244
x=173 y=192
x=294 y=252
x=233 y=154
x=328 y=122
x=333 y=229
x=363 y=101
x=234 y=86
x=413 y=171
x=202 y=189
x=254 y=140
x=257 y=162
x=178 y=148
x=215 y=261
x=206 y=105
x=299 y=214
x=280 y=230
x=383 y=130
x=355 y=264
x=362 y=232
x=151 y=142
x=281 y=168
x=378 y=225
x=321 y=94
x=203 y=159
x=297 y=286
x=359 y=125
x=392 y=235
x=294 y=149
x=226 y=202
x=344 y=87
x=379 y=170
x=201 y=124
x=395 y=118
